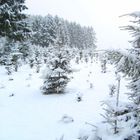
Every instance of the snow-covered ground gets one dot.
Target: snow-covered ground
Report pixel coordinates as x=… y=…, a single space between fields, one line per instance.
x=27 y=114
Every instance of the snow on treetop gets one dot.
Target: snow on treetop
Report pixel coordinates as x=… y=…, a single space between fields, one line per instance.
x=59 y=70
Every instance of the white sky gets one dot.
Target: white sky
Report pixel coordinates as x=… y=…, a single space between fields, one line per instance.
x=103 y=15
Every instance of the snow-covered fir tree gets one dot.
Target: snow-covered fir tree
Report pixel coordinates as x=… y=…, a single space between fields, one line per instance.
x=56 y=77
x=15 y=61
x=5 y=50
x=12 y=19
x=116 y=117
x=59 y=65
x=112 y=109
x=37 y=60
x=128 y=62
x=103 y=66
x=15 y=31
x=103 y=60
x=23 y=49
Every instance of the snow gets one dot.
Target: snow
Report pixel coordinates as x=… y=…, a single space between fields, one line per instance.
x=30 y=115
x=135 y=14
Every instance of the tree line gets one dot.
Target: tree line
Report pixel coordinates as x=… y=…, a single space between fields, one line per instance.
x=46 y=31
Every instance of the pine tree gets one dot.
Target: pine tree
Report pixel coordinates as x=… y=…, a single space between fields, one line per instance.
x=57 y=73
x=113 y=109
x=103 y=59
x=37 y=61
x=14 y=61
x=4 y=51
x=24 y=50
x=128 y=62
x=12 y=20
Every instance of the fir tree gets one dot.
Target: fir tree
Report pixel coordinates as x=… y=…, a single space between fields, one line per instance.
x=128 y=62
x=103 y=59
x=112 y=109
x=24 y=50
x=57 y=74
x=12 y=20
x=14 y=61
x=37 y=61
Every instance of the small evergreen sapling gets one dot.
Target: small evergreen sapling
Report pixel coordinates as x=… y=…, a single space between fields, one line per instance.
x=57 y=78
x=8 y=65
x=112 y=90
x=112 y=108
x=37 y=60
x=24 y=50
x=9 y=69
x=103 y=61
x=15 y=61
x=103 y=66
x=31 y=62
x=86 y=58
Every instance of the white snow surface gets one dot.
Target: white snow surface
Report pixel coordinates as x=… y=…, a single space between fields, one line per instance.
x=30 y=115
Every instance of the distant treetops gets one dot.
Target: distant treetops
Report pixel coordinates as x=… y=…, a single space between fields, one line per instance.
x=48 y=31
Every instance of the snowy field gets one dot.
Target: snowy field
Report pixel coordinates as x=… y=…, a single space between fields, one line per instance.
x=27 y=114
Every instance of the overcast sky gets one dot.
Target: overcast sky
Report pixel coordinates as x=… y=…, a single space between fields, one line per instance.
x=103 y=15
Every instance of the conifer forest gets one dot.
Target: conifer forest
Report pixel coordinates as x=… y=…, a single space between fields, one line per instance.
x=57 y=83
